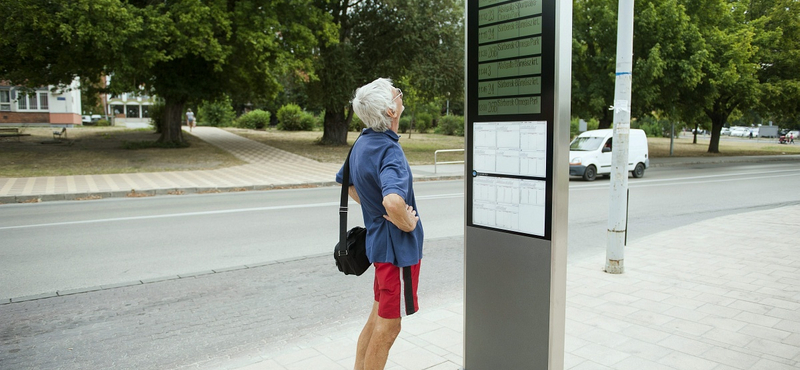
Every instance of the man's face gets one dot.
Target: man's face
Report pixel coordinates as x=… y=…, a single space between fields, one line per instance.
x=398 y=110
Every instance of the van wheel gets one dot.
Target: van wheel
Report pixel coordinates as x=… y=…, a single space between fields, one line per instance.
x=591 y=173
x=638 y=171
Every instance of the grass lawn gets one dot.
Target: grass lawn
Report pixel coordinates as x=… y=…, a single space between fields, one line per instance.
x=683 y=147
x=99 y=150
x=419 y=148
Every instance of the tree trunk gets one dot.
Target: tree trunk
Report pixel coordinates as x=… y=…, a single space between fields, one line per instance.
x=335 y=132
x=696 y=128
x=716 y=127
x=173 y=117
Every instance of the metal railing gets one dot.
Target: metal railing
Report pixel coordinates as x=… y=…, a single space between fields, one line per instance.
x=436 y=161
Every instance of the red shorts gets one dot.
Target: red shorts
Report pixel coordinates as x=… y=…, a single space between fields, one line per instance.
x=396 y=290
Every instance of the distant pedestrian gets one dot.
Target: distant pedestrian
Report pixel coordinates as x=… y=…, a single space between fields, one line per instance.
x=751 y=134
x=190 y=119
x=382 y=184
x=791 y=138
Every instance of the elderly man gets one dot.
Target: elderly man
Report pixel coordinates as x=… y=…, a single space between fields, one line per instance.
x=382 y=184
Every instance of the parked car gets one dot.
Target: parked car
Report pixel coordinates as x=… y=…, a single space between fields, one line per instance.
x=725 y=131
x=86 y=119
x=590 y=154
x=740 y=131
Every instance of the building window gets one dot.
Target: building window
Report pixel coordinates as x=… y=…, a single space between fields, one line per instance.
x=132 y=111
x=117 y=109
x=32 y=103
x=5 y=100
x=145 y=111
x=43 y=104
x=22 y=102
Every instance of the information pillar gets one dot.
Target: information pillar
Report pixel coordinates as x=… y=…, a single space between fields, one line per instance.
x=517 y=183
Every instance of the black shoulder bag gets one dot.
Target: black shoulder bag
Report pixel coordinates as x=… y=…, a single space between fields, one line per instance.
x=351 y=251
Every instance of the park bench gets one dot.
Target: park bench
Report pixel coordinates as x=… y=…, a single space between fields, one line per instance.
x=11 y=132
x=60 y=133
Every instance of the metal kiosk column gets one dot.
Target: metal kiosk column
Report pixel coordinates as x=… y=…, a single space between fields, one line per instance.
x=517 y=183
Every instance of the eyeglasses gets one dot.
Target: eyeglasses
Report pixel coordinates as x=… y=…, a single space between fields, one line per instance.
x=399 y=94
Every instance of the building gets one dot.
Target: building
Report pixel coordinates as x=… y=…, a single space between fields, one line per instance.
x=129 y=109
x=46 y=106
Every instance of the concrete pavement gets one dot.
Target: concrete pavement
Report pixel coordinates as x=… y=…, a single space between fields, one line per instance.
x=712 y=295
x=709 y=296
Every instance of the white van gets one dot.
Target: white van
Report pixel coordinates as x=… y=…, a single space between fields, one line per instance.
x=590 y=154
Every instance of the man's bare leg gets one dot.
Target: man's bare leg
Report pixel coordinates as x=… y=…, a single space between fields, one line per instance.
x=383 y=335
x=364 y=338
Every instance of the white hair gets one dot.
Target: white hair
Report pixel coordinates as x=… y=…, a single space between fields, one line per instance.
x=371 y=102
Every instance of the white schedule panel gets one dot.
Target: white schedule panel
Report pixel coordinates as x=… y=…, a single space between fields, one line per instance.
x=509 y=204
x=510 y=148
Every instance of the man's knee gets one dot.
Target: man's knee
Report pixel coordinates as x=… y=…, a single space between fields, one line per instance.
x=388 y=327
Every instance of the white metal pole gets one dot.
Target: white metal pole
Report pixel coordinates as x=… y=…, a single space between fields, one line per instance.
x=615 y=247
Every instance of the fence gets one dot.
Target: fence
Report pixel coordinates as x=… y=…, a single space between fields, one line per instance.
x=436 y=161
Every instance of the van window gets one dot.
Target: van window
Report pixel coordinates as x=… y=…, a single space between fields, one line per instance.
x=585 y=143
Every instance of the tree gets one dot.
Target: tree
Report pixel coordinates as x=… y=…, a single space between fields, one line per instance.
x=779 y=61
x=385 y=38
x=180 y=50
x=667 y=55
x=729 y=71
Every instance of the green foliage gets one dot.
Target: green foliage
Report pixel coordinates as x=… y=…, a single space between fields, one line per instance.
x=291 y=118
x=157 y=116
x=575 y=125
x=256 y=120
x=653 y=127
x=356 y=124
x=103 y=123
x=451 y=125
x=181 y=51
x=421 y=39
x=405 y=124
x=423 y=122
x=217 y=113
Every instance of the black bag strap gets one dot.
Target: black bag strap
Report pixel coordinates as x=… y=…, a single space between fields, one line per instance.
x=343 y=205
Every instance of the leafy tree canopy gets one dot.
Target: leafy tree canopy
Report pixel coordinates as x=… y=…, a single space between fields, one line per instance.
x=418 y=39
x=185 y=50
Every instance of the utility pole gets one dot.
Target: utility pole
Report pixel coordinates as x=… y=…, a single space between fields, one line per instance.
x=618 y=205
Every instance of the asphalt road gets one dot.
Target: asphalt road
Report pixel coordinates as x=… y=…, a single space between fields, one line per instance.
x=230 y=319
x=64 y=246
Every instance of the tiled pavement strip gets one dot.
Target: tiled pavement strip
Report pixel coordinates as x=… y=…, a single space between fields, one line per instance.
x=709 y=296
x=266 y=167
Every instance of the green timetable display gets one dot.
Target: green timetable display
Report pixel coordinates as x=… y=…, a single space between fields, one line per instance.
x=509 y=49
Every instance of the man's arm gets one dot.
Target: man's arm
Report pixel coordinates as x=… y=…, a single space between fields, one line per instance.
x=399 y=213
x=352 y=191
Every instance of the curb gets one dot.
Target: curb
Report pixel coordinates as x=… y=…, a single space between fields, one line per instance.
x=145 y=193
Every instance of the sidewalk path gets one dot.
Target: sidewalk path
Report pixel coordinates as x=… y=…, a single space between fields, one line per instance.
x=267 y=168
x=717 y=295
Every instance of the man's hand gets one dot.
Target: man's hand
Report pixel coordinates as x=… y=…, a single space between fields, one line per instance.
x=399 y=213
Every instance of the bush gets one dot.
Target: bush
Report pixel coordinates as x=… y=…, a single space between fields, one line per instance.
x=574 y=126
x=219 y=113
x=157 y=116
x=423 y=122
x=308 y=120
x=405 y=124
x=356 y=124
x=256 y=120
x=290 y=118
x=451 y=125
